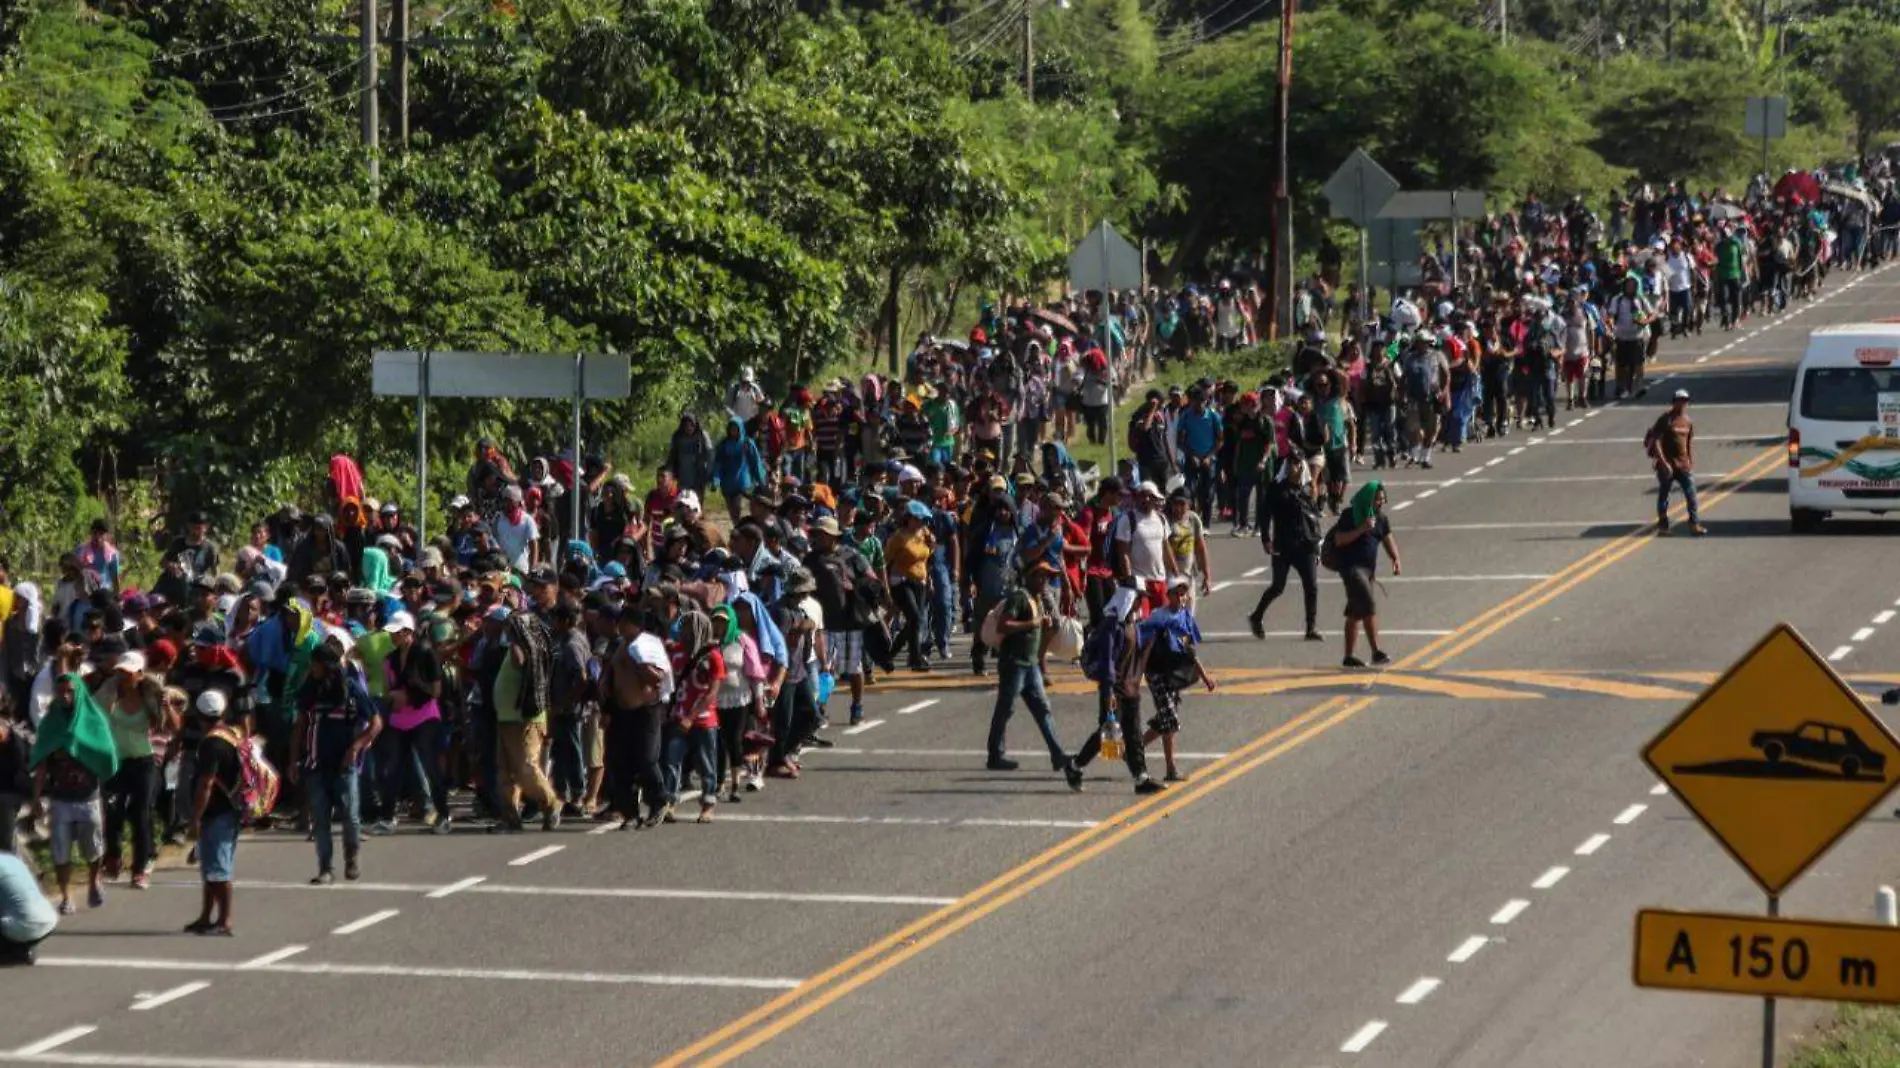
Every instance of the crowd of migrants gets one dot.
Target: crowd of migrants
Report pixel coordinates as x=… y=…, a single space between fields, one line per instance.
x=332 y=668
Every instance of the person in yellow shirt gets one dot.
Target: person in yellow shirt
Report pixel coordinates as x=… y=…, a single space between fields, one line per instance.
x=907 y=575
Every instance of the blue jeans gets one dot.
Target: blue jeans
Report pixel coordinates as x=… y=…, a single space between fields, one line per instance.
x=943 y=606
x=565 y=737
x=1664 y=479
x=1013 y=679
x=325 y=791
x=701 y=746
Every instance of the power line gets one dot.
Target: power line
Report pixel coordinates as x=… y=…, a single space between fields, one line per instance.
x=996 y=29
x=1197 y=41
x=978 y=10
x=320 y=80
x=163 y=57
x=351 y=95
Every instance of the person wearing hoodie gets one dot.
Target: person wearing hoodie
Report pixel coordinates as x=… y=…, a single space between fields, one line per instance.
x=21 y=648
x=689 y=455
x=320 y=554
x=738 y=469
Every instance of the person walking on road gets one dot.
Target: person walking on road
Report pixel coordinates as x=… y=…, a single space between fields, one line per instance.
x=1357 y=539
x=1291 y=536
x=1630 y=317
x=214 y=814
x=73 y=758
x=1021 y=628
x=1168 y=639
x=1671 y=446
x=337 y=722
x=1110 y=657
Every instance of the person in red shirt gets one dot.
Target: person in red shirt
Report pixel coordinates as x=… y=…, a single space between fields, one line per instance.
x=1096 y=520
x=659 y=506
x=692 y=727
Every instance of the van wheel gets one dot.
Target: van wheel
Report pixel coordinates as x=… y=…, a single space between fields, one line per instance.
x=1805 y=520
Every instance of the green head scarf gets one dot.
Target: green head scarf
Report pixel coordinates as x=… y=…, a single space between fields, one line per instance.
x=1362 y=503
x=82 y=731
x=725 y=625
x=376 y=574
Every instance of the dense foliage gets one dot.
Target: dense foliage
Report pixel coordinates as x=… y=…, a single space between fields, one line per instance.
x=194 y=268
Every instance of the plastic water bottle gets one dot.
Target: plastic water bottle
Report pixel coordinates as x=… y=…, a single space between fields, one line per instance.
x=1111 y=738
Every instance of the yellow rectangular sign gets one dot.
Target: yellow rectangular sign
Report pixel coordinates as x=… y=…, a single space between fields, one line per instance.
x=1756 y=955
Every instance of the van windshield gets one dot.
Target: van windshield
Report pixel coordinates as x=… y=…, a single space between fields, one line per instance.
x=1847 y=394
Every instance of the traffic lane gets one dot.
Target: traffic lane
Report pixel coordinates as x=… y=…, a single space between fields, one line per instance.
x=1684 y=603
x=44 y=1001
x=1319 y=871
x=295 y=1018
x=1544 y=995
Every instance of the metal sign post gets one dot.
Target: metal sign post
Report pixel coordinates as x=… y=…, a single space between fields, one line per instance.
x=422 y=449
x=1357 y=192
x=580 y=478
x=1765 y=117
x=1115 y=264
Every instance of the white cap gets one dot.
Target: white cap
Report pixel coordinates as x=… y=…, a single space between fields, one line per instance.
x=458 y=502
x=1179 y=582
x=134 y=661
x=212 y=702
x=1682 y=394
x=907 y=473
x=1147 y=487
x=401 y=621
x=688 y=499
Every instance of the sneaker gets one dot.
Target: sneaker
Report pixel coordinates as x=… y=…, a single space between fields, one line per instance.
x=1313 y=635
x=1379 y=659
x=326 y=877
x=1426 y=464
x=997 y=763
x=1662 y=527
x=1352 y=662
x=351 y=870
x=754 y=782
x=551 y=820
x=1145 y=786
x=1698 y=529
x=1074 y=775
x=857 y=714
x=96 y=897
x=1258 y=626
x=571 y=811
x=141 y=881
x=66 y=906
x=1177 y=776
x=381 y=829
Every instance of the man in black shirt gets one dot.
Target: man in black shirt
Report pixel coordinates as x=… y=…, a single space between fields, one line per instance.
x=214 y=815
x=193 y=554
x=1357 y=539
x=337 y=722
x=1290 y=532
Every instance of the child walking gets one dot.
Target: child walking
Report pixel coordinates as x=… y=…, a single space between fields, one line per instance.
x=1169 y=637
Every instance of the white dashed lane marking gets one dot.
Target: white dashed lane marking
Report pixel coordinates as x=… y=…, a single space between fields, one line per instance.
x=1419 y=990
x=1628 y=815
x=1363 y=1037
x=1468 y=949
x=1512 y=910
x=1592 y=844
x=1550 y=878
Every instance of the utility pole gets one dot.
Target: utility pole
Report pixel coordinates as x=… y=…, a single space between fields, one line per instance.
x=1504 y=22
x=1669 y=31
x=1029 y=50
x=370 y=121
x=399 y=29
x=1279 y=308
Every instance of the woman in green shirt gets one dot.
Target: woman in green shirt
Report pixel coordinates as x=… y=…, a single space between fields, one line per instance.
x=135 y=708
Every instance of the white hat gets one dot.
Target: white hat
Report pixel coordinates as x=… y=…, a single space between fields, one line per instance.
x=212 y=703
x=1682 y=394
x=134 y=661
x=688 y=499
x=1148 y=488
x=1179 y=582
x=399 y=622
x=907 y=473
x=458 y=502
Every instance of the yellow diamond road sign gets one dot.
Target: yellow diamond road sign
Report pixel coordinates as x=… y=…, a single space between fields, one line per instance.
x=1778 y=758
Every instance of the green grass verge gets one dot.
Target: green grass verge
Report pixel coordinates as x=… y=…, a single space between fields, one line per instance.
x=1857 y=1038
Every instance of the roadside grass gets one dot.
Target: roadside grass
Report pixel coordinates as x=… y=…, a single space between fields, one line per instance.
x=1858 y=1037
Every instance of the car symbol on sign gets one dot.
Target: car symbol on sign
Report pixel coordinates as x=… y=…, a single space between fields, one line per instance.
x=1822 y=744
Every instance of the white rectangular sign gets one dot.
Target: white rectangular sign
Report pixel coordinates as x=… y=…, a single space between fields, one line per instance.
x=527 y=375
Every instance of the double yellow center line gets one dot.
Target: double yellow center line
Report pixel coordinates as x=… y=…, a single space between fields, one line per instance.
x=786 y=1011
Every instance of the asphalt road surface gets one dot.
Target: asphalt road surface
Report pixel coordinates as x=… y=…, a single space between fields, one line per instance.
x=1434 y=865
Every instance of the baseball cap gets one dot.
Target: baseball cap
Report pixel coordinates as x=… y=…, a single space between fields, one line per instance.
x=1148 y=489
x=431 y=557
x=688 y=499
x=541 y=576
x=458 y=502
x=389 y=508
x=1179 y=582
x=400 y=622
x=134 y=662
x=1682 y=394
x=827 y=525
x=208 y=634
x=211 y=703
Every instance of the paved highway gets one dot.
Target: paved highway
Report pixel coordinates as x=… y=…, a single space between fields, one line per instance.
x=1437 y=865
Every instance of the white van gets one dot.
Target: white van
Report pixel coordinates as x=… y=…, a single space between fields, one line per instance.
x=1844 y=424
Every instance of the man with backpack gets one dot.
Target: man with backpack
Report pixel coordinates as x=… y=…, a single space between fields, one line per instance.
x=1291 y=536
x=1425 y=377
x=1110 y=659
x=1017 y=629
x=337 y=722
x=214 y=814
x=1378 y=393
x=1630 y=317
x=838 y=570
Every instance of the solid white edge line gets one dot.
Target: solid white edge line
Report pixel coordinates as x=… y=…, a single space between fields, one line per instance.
x=540 y=854
x=1512 y=910
x=168 y=996
x=1840 y=653
x=155 y=1060
x=54 y=1041
x=1419 y=990
x=273 y=957
x=1628 y=815
x=917 y=707
x=700 y=894
x=1550 y=878
x=865 y=726
x=370 y=920
x=1219 y=586
x=611 y=825
x=1592 y=844
x=1468 y=949
x=1251 y=572
x=1363 y=1037
x=338 y=968
x=457 y=887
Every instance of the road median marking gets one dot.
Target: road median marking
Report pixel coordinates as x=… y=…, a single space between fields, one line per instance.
x=782 y=1013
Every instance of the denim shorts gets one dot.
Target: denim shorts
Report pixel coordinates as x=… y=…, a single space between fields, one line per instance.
x=77 y=825
x=217 y=847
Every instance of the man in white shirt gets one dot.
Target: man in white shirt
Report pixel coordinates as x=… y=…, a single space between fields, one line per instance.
x=1630 y=316
x=641 y=689
x=1679 y=272
x=516 y=532
x=1140 y=538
